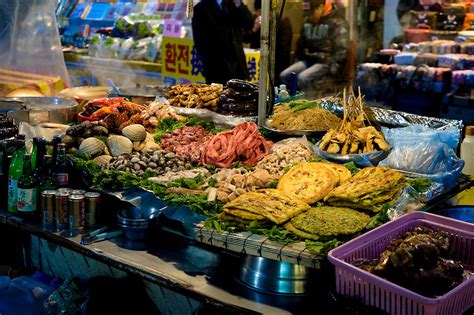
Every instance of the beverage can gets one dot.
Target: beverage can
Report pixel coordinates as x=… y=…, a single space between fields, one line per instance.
x=76 y=206
x=61 y=215
x=47 y=206
x=92 y=205
x=78 y=192
x=65 y=189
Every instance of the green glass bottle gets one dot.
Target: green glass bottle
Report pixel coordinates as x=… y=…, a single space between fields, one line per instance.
x=27 y=190
x=14 y=173
x=37 y=157
x=3 y=175
x=47 y=181
x=34 y=152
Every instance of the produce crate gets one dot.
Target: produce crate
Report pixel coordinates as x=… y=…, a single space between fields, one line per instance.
x=394 y=299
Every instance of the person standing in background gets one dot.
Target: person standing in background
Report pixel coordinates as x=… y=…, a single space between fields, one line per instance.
x=322 y=48
x=284 y=34
x=217 y=30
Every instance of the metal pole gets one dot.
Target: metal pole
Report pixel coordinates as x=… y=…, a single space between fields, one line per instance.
x=264 y=49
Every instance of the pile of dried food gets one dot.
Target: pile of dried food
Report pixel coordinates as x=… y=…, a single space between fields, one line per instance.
x=420 y=261
x=195 y=95
x=303 y=115
x=352 y=136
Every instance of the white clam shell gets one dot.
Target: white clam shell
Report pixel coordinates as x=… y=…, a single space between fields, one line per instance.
x=103 y=160
x=134 y=132
x=92 y=146
x=119 y=145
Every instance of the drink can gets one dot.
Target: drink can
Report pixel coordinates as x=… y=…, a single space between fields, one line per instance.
x=61 y=209
x=47 y=204
x=92 y=206
x=76 y=212
x=65 y=189
x=78 y=192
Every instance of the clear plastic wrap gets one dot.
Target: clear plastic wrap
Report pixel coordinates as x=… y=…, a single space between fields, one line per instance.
x=424 y=152
x=29 y=38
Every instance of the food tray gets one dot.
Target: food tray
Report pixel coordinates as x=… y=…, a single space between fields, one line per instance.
x=260 y=246
x=317 y=134
x=394 y=299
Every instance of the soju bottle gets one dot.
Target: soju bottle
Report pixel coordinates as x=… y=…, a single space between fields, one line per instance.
x=37 y=157
x=27 y=190
x=4 y=164
x=14 y=173
x=61 y=167
x=46 y=181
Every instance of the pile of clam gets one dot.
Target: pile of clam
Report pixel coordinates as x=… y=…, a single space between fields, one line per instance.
x=159 y=161
x=133 y=138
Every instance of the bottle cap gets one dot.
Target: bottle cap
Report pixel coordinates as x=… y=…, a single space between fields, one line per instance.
x=470 y=131
x=282 y=87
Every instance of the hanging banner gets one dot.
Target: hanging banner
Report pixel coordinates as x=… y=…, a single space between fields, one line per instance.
x=180 y=63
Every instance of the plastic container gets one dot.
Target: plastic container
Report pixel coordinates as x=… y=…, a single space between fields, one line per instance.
x=467 y=151
x=392 y=298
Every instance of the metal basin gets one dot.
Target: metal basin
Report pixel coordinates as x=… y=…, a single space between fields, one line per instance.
x=273 y=276
x=463 y=213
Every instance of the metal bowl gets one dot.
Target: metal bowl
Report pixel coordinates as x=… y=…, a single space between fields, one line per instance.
x=273 y=276
x=463 y=213
x=134 y=233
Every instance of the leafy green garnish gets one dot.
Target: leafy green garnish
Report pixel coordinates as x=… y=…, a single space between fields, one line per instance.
x=197 y=203
x=380 y=218
x=195 y=183
x=166 y=125
x=246 y=167
x=352 y=167
x=322 y=247
x=420 y=184
x=273 y=184
x=287 y=168
x=86 y=164
x=115 y=180
x=209 y=126
x=275 y=233
x=212 y=182
x=318 y=159
x=104 y=139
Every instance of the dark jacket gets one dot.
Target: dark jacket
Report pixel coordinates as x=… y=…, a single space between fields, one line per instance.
x=218 y=39
x=284 y=34
x=326 y=42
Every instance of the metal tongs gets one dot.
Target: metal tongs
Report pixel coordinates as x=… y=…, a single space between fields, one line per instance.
x=98 y=235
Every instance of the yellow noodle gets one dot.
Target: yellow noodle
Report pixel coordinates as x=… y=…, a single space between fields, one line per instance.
x=306 y=119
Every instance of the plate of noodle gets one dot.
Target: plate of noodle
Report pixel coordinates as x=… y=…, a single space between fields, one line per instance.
x=300 y=118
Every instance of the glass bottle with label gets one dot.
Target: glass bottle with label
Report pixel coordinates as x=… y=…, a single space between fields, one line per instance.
x=61 y=167
x=27 y=190
x=14 y=173
x=3 y=175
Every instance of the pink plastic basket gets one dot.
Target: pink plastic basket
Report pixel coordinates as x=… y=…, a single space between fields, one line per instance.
x=392 y=298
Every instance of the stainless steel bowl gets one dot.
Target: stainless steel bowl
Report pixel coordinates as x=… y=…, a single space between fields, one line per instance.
x=273 y=276
x=35 y=110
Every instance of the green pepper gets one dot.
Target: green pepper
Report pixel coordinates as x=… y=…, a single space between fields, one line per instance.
x=304 y=106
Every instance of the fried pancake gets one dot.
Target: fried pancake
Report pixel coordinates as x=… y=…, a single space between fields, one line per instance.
x=272 y=204
x=243 y=214
x=309 y=182
x=342 y=172
x=237 y=220
x=368 y=189
x=327 y=221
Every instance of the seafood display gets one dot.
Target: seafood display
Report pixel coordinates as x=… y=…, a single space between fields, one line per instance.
x=352 y=136
x=420 y=261
x=187 y=142
x=285 y=155
x=243 y=144
x=194 y=95
x=158 y=161
x=234 y=182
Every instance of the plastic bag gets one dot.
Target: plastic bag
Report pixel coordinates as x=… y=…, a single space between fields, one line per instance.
x=29 y=38
x=424 y=152
x=415 y=134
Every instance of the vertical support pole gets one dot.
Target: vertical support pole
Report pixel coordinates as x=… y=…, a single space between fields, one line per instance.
x=264 y=65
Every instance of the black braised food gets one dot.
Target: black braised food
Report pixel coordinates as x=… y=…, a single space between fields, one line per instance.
x=420 y=261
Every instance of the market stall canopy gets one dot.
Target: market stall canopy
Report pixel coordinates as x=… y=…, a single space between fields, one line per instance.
x=31 y=54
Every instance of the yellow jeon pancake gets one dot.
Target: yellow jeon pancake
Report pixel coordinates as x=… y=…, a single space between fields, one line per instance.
x=310 y=182
x=342 y=172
